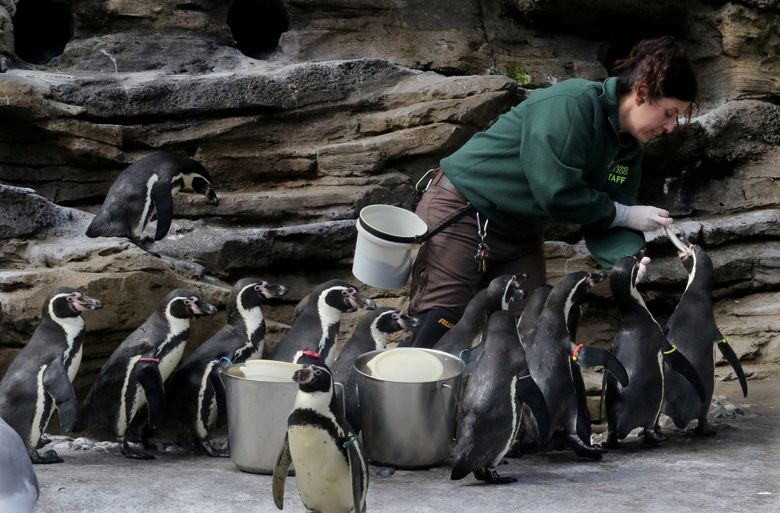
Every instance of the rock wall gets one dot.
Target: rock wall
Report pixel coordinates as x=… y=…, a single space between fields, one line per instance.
x=304 y=111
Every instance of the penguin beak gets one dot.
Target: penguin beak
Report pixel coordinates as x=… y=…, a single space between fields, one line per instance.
x=358 y=301
x=202 y=308
x=303 y=376
x=211 y=197
x=682 y=247
x=87 y=303
x=407 y=322
x=594 y=278
x=270 y=290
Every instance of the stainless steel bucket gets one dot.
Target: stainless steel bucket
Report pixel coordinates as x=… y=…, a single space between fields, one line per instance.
x=408 y=425
x=258 y=404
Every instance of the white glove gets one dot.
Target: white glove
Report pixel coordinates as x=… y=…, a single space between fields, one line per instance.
x=643 y=218
x=640 y=273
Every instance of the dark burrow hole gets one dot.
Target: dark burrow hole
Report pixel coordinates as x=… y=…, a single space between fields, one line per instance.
x=257 y=26
x=42 y=28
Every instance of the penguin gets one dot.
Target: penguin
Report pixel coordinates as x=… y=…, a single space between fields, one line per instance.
x=692 y=329
x=550 y=352
x=40 y=377
x=371 y=333
x=467 y=333
x=194 y=394
x=492 y=404
x=18 y=484
x=316 y=327
x=330 y=469
x=640 y=345
x=148 y=186
x=134 y=374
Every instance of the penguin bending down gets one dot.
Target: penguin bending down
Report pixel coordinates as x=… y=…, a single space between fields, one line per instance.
x=330 y=469
x=18 y=483
x=316 y=327
x=692 y=329
x=468 y=332
x=148 y=186
x=195 y=394
x=371 y=333
x=551 y=354
x=492 y=405
x=641 y=347
x=39 y=379
x=134 y=374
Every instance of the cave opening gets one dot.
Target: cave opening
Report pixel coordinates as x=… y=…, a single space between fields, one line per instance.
x=42 y=28
x=257 y=26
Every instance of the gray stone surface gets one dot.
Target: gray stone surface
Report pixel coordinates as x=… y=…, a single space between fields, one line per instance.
x=735 y=471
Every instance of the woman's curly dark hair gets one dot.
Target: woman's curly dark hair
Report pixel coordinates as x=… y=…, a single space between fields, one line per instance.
x=660 y=64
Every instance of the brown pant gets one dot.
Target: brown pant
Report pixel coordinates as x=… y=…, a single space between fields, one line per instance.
x=445 y=274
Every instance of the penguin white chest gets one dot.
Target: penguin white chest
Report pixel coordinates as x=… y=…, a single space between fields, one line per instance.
x=321 y=470
x=171 y=360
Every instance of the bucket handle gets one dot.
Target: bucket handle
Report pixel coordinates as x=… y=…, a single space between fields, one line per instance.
x=458 y=406
x=418 y=239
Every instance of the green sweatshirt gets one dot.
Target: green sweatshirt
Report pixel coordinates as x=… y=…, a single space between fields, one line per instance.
x=557 y=155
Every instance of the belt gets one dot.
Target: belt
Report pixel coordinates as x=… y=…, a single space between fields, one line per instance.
x=442 y=181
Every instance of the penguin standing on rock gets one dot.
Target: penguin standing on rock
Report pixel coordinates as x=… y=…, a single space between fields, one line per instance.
x=39 y=379
x=195 y=395
x=500 y=293
x=18 y=483
x=371 y=333
x=641 y=347
x=492 y=405
x=145 y=187
x=317 y=324
x=134 y=374
x=692 y=329
x=551 y=353
x=330 y=470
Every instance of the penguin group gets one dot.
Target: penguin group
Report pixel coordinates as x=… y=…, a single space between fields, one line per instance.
x=522 y=377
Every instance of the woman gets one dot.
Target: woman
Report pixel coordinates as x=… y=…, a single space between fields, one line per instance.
x=571 y=153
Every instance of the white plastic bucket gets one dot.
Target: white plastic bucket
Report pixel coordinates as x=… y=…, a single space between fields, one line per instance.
x=386 y=245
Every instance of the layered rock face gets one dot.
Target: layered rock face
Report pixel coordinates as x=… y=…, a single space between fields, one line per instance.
x=304 y=111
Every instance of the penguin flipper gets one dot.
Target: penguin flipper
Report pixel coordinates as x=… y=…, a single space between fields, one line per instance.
x=57 y=384
x=731 y=357
x=680 y=364
x=529 y=392
x=163 y=204
x=583 y=416
x=219 y=392
x=148 y=375
x=281 y=468
x=590 y=356
x=356 y=470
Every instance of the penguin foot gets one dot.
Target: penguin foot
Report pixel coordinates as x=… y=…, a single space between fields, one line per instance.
x=491 y=476
x=704 y=429
x=136 y=454
x=652 y=437
x=206 y=447
x=587 y=451
x=49 y=456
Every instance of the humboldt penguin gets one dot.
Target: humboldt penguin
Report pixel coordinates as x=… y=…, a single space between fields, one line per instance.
x=18 y=483
x=371 y=333
x=492 y=405
x=550 y=352
x=145 y=187
x=692 y=329
x=468 y=333
x=195 y=395
x=316 y=327
x=330 y=470
x=39 y=380
x=134 y=374
x=641 y=346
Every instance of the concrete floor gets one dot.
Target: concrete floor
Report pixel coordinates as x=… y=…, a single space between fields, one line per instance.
x=736 y=471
